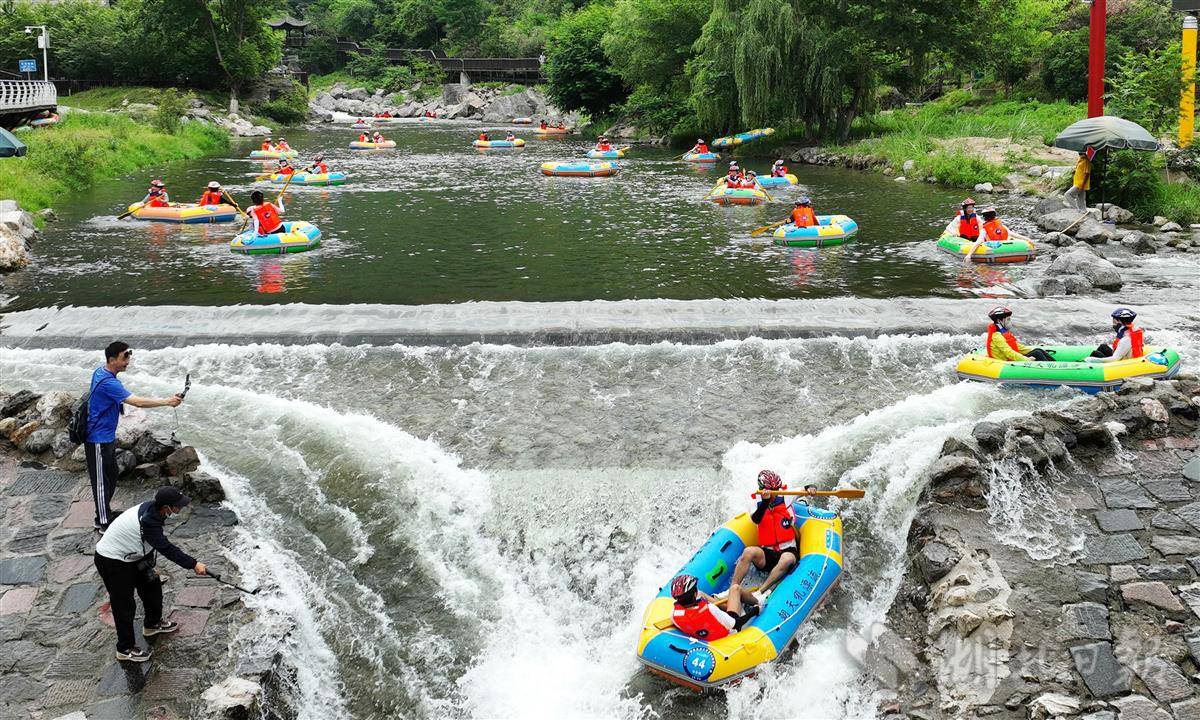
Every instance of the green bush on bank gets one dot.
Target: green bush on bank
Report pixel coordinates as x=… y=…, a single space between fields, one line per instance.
x=289 y=108
x=83 y=148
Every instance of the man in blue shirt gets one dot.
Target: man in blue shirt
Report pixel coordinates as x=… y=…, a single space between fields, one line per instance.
x=105 y=405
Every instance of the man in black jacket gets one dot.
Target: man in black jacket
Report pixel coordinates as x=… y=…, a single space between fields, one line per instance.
x=125 y=561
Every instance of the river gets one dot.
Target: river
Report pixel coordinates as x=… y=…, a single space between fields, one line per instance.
x=463 y=508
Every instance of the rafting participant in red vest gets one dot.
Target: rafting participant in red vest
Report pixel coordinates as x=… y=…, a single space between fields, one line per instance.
x=733 y=178
x=213 y=195
x=156 y=196
x=285 y=167
x=966 y=225
x=779 y=169
x=282 y=145
x=362 y=137
x=510 y=137
x=802 y=214
x=993 y=230
x=603 y=145
x=265 y=215
x=319 y=166
x=776 y=552
x=700 y=147
x=378 y=137
x=484 y=137
x=542 y=125
x=1129 y=342
x=698 y=615
x=266 y=144
x=1001 y=344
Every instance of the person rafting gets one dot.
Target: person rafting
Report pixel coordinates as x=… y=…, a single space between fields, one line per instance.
x=319 y=165
x=1001 y=344
x=362 y=137
x=213 y=194
x=156 y=196
x=282 y=145
x=802 y=214
x=561 y=126
x=285 y=167
x=483 y=137
x=966 y=225
x=265 y=215
x=542 y=125
x=993 y=230
x=698 y=615
x=1128 y=343
x=377 y=138
x=733 y=178
x=510 y=138
x=750 y=181
x=266 y=144
x=603 y=145
x=700 y=148
x=779 y=169
x=776 y=552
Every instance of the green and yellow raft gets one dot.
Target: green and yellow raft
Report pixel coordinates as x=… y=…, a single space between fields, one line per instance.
x=989 y=251
x=1069 y=369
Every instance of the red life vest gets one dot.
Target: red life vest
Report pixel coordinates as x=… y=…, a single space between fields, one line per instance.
x=968 y=227
x=157 y=199
x=604 y=147
x=483 y=137
x=698 y=621
x=268 y=218
x=1008 y=338
x=362 y=137
x=210 y=198
x=995 y=231
x=702 y=148
x=285 y=170
x=1135 y=340
x=804 y=217
x=780 y=171
x=321 y=168
x=777 y=527
x=266 y=145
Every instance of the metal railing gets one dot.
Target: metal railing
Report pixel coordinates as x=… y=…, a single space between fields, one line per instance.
x=467 y=64
x=27 y=94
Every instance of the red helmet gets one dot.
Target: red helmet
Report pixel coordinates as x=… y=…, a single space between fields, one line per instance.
x=768 y=480
x=683 y=585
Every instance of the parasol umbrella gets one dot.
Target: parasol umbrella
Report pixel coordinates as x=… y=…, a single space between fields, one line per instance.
x=10 y=146
x=1106 y=131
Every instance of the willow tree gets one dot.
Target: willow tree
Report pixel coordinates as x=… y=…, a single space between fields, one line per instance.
x=714 y=85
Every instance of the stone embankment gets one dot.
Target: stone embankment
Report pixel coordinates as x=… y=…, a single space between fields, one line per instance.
x=17 y=233
x=455 y=101
x=1055 y=567
x=56 y=628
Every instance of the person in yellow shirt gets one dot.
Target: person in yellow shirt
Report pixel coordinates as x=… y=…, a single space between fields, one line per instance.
x=1076 y=195
x=1001 y=344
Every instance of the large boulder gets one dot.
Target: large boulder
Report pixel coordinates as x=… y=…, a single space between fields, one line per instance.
x=14 y=251
x=1094 y=233
x=1115 y=213
x=454 y=93
x=1065 y=220
x=1080 y=261
x=1139 y=242
x=359 y=94
x=1050 y=204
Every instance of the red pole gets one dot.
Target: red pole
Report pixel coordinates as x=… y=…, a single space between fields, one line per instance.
x=1096 y=59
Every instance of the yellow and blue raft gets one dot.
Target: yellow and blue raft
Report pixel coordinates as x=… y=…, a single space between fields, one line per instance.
x=699 y=664
x=830 y=230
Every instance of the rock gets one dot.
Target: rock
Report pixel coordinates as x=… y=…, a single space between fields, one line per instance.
x=1111 y=550
x=1053 y=705
x=1139 y=242
x=1176 y=544
x=232 y=697
x=148 y=471
x=1168 y=490
x=901 y=178
x=989 y=435
x=1191 y=597
x=7 y=425
x=62 y=445
x=1057 y=239
x=38 y=441
x=1155 y=594
x=1101 y=672
x=1159 y=221
x=152 y=447
x=1084 y=621
x=23 y=432
x=359 y=94
x=1138 y=707
x=1191 y=469
x=953 y=467
x=1124 y=573
x=1050 y=204
x=1167 y=520
x=18 y=402
x=1118 y=520
x=454 y=94
x=14 y=250
x=935 y=560
x=126 y=461
x=55 y=408
x=1093 y=232
x=1191 y=512
x=1153 y=410
x=1100 y=272
x=1059 y=221
x=1170 y=227
x=1176 y=571
x=181 y=462
x=983 y=187
x=1092 y=587
x=1186 y=710
x=1115 y=213
x=1122 y=493
x=1164 y=680
x=201 y=487
x=908 y=166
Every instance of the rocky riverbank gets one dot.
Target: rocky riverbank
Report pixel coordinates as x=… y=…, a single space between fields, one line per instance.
x=454 y=101
x=1055 y=567
x=56 y=635
x=17 y=234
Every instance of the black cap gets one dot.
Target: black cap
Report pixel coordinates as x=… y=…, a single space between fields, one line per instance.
x=168 y=495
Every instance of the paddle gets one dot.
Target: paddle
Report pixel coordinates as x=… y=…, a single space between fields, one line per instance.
x=845 y=493
x=217 y=577
x=760 y=230
x=625 y=149
x=227 y=196
x=760 y=187
x=134 y=208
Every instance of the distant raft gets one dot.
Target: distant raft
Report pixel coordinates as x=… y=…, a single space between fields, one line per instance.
x=498 y=144
x=551 y=131
x=737 y=196
x=297 y=236
x=606 y=154
x=361 y=126
x=1069 y=369
x=522 y=121
x=272 y=154
x=333 y=178
x=44 y=121
x=830 y=230
x=694 y=157
x=742 y=137
x=580 y=169
x=770 y=181
x=184 y=213
x=990 y=251
x=701 y=664
x=385 y=145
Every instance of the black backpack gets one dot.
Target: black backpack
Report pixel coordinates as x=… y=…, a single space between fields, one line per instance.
x=77 y=429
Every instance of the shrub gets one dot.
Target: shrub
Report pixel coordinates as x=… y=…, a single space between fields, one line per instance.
x=289 y=108
x=170 y=107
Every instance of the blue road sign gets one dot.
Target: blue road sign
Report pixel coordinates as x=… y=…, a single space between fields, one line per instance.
x=27 y=65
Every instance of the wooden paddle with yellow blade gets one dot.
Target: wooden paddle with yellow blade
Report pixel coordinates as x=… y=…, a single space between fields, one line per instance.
x=760 y=230
x=844 y=493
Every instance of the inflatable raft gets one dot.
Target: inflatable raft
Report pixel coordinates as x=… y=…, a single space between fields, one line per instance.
x=605 y=154
x=361 y=126
x=333 y=178
x=498 y=144
x=700 y=664
x=742 y=137
x=700 y=157
x=770 y=181
x=737 y=196
x=580 y=169
x=272 y=154
x=522 y=121
x=44 y=121
x=829 y=230
x=297 y=236
x=1069 y=369
x=186 y=213
x=386 y=144
x=1007 y=251
x=551 y=131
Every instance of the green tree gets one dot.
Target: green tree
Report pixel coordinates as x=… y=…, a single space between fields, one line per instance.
x=649 y=42
x=1015 y=33
x=578 y=73
x=1146 y=87
x=714 y=91
x=243 y=44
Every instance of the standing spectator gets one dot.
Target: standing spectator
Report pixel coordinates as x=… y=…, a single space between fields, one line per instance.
x=105 y=404
x=125 y=561
x=1081 y=182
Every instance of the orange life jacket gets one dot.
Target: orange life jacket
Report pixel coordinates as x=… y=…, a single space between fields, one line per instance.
x=285 y=170
x=268 y=218
x=266 y=145
x=995 y=231
x=702 y=148
x=780 y=171
x=321 y=168
x=777 y=527
x=157 y=199
x=1135 y=340
x=1008 y=338
x=211 y=197
x=483 y=137
x=698 y=621
x=604 y=147
x=968 y=227
x=283 y=146
x=804 y=217
x=362 y=137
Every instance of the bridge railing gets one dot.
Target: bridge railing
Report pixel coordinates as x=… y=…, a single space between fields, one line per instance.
x=26 y=94
x=468 y=64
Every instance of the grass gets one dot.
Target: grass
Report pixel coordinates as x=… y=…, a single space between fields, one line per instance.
x=85 y=147
x=960 y=114
x=1179 y=201
x=104 y=98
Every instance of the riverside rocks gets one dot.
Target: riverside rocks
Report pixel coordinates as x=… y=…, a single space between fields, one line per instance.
x=17 y=231
x=455 y=102
x=1100 y=621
